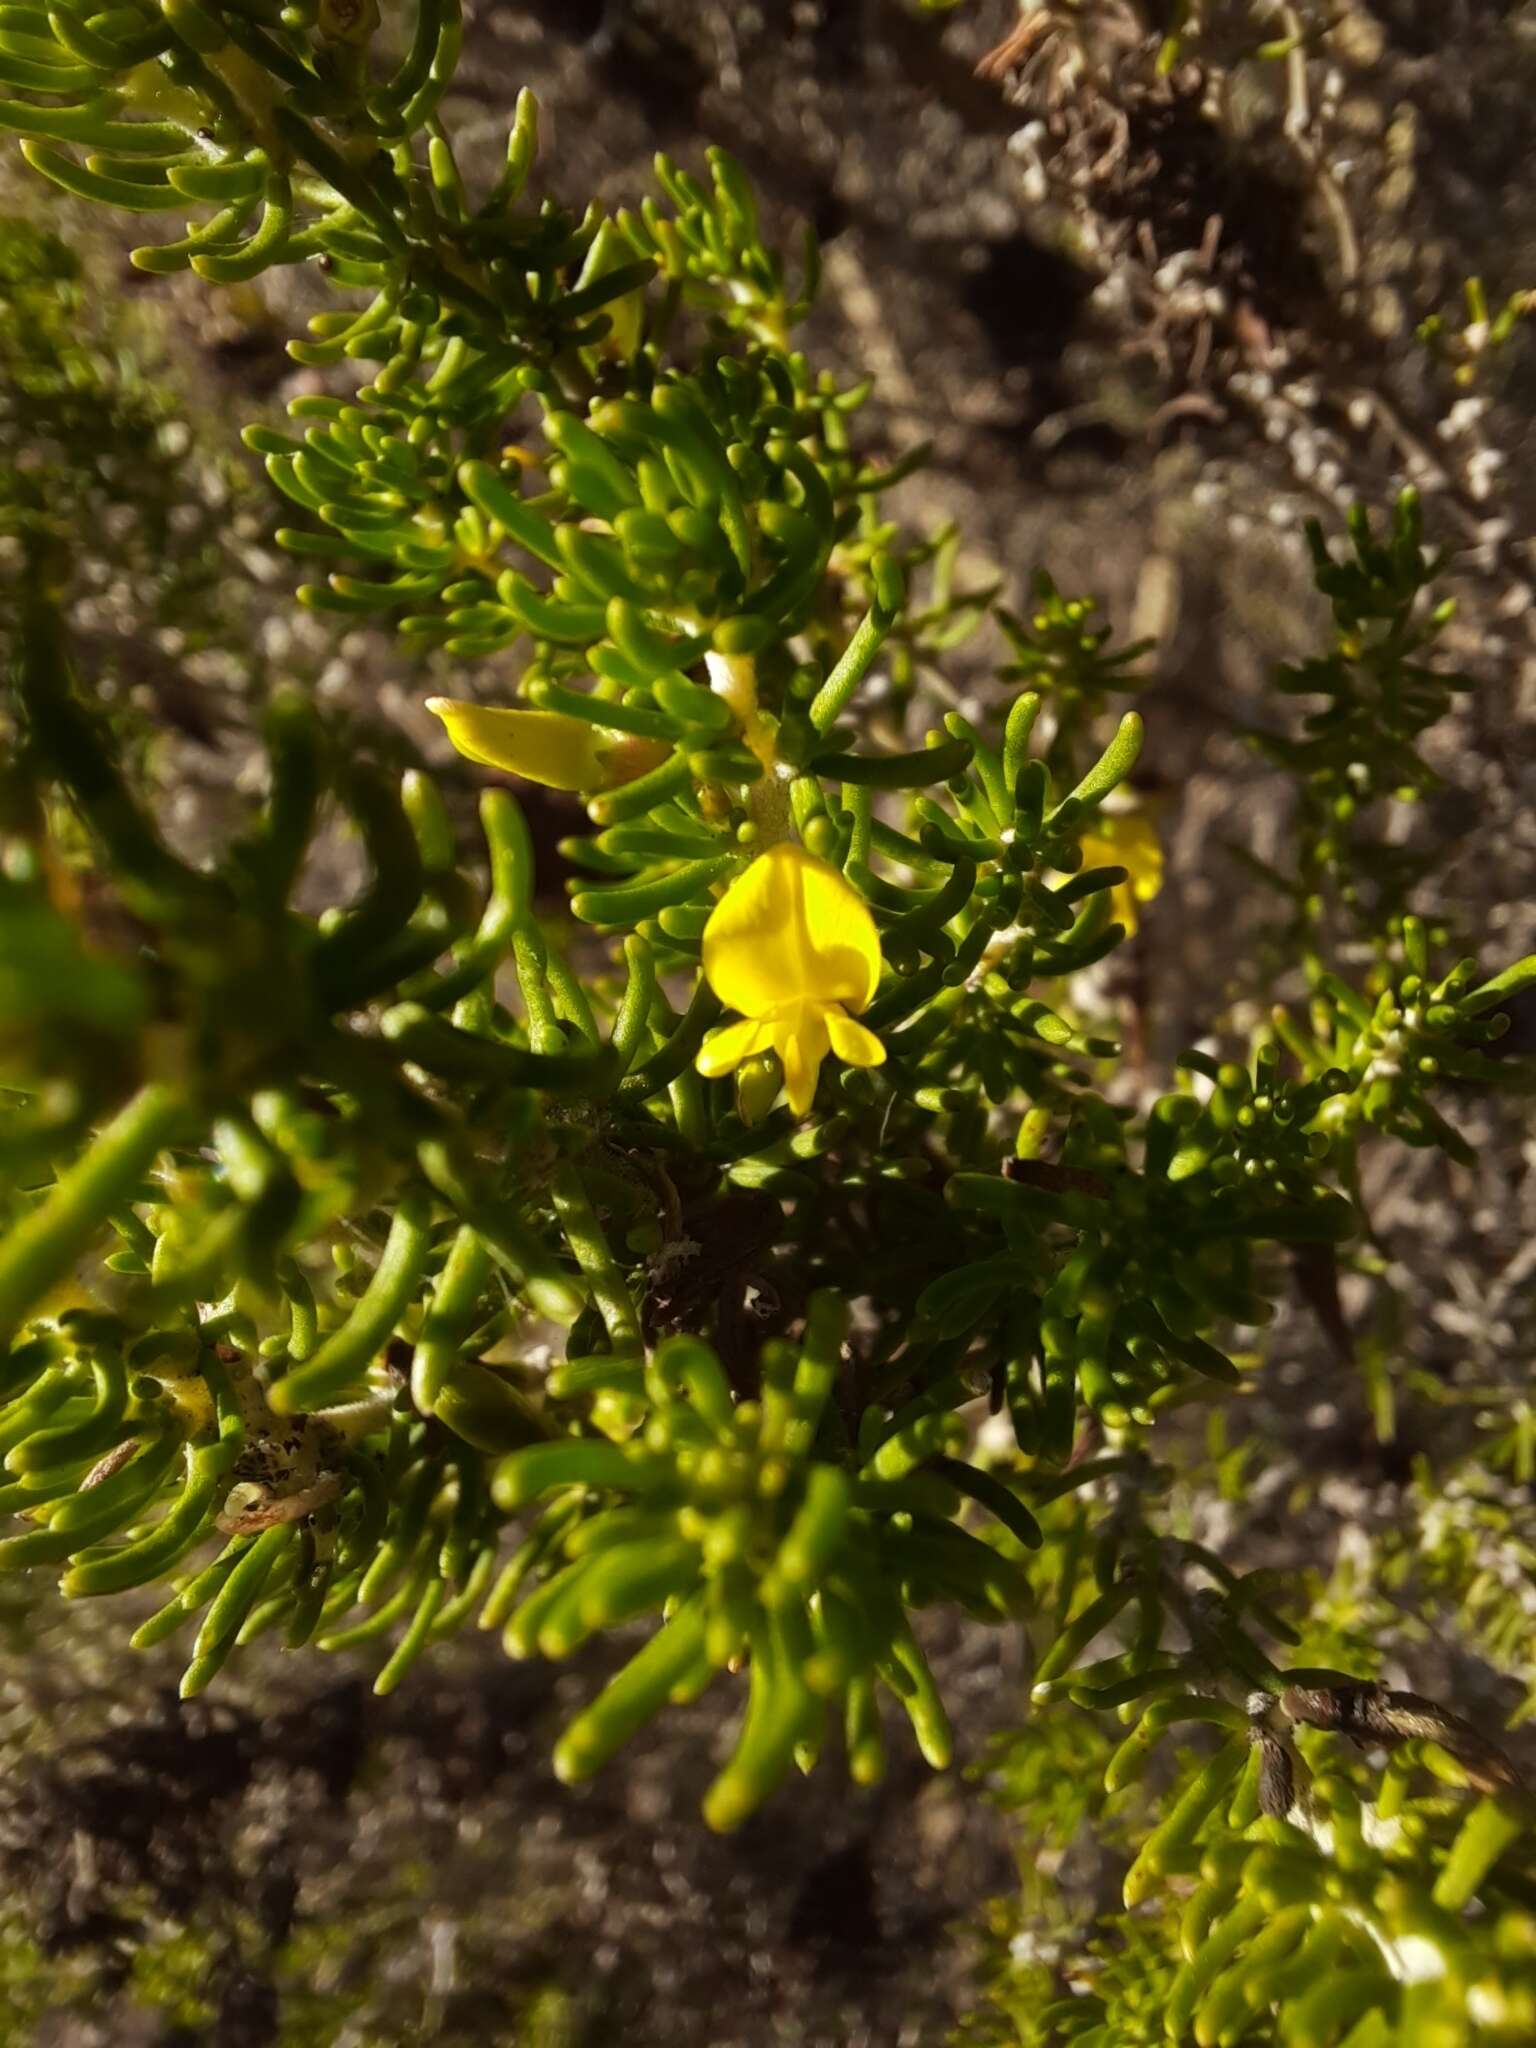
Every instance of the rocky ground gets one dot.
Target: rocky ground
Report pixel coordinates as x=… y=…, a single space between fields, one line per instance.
x=1150 y=326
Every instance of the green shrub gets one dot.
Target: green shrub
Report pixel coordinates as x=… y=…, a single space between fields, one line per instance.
x=339 y=1245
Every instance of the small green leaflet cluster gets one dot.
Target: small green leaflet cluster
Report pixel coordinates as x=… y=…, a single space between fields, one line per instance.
x=716 y=528
x=1060 y=654
x=402 y=1529
x=271 y=116
x=1349 y=1929
x=1161 y=1249
x=1471 y=350
x=1359 y=749
x=1306 y=1881
x=801 y=1566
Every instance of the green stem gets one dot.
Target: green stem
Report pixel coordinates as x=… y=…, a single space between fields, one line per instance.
x=39 y=1252
x=830 y=701
x=346 y=1354
x=531 y=958
x=450 y=1318
x=584 y=1235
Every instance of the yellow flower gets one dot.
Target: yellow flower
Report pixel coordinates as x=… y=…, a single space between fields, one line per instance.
x=547 y=746
x=1127 y=839
x=794 y=948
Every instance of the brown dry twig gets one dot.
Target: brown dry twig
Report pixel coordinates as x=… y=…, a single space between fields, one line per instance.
x=1022 y=38
x=1375 y=1715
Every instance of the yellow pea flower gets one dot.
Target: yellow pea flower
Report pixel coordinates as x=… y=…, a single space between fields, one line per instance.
x=1127 y=839
x=793 y=947
x=547 y=746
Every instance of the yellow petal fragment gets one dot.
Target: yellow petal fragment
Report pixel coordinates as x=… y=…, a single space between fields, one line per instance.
x=802 y=1042
x=1141 y=851
x=727 y=1048
x=791 y=930
x=541 y=746
x=853 y=1044
x=1127 y=840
